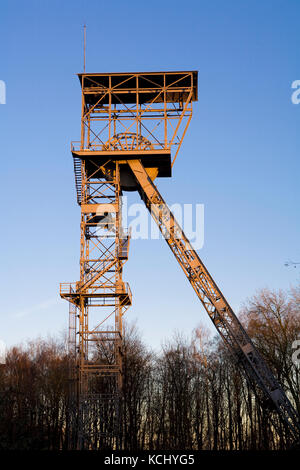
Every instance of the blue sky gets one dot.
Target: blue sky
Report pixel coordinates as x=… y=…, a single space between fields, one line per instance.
x=240 y=157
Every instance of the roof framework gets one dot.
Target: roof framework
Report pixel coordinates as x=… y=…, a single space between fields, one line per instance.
x=145 y=112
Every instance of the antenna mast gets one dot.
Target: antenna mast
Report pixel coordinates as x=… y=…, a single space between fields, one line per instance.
x=84 y=46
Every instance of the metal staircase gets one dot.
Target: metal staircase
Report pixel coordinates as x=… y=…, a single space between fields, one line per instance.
x=77 y=172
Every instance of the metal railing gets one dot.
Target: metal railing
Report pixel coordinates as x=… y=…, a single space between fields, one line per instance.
x=100 y=147
x=128 y=291
x=76 y=145
x=67 y=288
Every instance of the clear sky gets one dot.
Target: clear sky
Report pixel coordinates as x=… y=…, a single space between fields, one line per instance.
x=240 y=157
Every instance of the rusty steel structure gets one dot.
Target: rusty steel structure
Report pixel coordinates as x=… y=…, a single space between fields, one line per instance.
x=131 y=126
x=124 y=116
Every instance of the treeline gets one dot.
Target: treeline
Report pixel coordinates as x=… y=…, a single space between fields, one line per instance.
x=191 y=396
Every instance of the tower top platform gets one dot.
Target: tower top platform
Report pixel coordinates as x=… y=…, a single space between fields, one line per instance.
x=133 y=115
x=173 y=87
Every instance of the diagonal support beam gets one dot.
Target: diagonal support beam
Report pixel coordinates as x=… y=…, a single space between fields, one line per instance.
x=86 y=285
x=215 y=304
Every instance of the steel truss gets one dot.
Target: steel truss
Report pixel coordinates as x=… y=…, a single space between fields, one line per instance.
x=96 y=349
x=157 y=106
x=144 y=114
x=130 y=124
x=214 y=302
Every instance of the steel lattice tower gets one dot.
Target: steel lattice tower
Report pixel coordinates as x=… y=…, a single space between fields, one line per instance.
x=130 y=125
x=121 y=117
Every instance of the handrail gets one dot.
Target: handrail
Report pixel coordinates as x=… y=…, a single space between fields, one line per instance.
x=67 y=288
x=77 y=147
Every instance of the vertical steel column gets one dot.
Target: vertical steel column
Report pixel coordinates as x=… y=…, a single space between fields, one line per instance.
x=101 y=285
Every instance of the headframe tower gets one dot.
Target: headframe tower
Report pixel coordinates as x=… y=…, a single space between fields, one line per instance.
x=125 y=116
x=131 y=123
